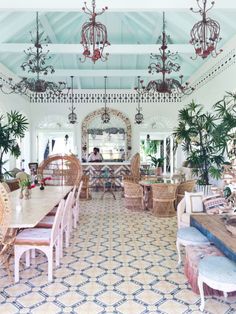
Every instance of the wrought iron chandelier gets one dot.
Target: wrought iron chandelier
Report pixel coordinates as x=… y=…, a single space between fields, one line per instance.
x=138 y=118
x=94 y=35
x=205 y=34
x=35 y=63
x=165 y=63
x=105 y=115
x=72 y=117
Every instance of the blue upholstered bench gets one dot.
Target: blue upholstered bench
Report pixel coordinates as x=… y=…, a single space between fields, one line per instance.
x=189 y=236
x=218 y=272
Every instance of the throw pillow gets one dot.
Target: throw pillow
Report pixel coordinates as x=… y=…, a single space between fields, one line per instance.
x=214 y=202
x=193 y=202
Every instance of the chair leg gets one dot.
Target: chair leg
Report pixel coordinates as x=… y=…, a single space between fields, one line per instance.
x=17 y=252
x=61 y=242
x=27 y=258
x=58 y=251
x=179 y=252
x=33 y=253
x=200 y=287
x=50 y=264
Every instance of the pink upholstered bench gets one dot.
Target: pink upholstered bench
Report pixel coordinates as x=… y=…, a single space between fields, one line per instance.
x=193 y=256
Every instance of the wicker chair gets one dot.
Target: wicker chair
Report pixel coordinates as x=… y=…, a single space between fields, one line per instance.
x=84 y=194
x=7 y=235
x=135 y=167
x=164 y=196
x=187 y=186
x=6 y=187
x=63 y=170
x=133 y=194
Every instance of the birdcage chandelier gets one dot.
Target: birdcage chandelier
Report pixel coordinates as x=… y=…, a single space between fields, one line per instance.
x=94 y=35
x=205 y=34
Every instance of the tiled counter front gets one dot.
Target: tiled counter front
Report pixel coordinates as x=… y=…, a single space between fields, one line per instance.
x=116 y=169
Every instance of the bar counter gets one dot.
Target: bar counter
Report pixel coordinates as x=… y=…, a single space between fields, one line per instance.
x=95 y=169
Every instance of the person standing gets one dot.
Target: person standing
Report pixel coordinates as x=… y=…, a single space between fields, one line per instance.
x=95 y=156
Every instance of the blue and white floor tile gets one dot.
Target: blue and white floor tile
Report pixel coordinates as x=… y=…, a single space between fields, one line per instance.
x=119 y=262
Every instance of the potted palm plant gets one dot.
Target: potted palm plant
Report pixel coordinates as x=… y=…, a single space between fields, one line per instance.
x=12 y=127
x=158 y=163
x=199 y=134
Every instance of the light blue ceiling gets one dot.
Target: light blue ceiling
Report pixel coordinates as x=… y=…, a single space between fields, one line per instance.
x=124 y=28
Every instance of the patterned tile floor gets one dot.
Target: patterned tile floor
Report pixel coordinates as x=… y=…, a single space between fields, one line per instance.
x=119 y=262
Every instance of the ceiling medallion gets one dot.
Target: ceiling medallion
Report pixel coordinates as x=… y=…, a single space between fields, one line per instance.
x=35 y=63
x=72 y=117
x=138 y=118
x=105 y=117
x=205 y=34
x=165 y=63
x=94 y=35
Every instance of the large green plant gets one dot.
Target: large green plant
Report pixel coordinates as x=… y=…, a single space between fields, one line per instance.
x=200 y=137
x=12 y=127
x=226 y=112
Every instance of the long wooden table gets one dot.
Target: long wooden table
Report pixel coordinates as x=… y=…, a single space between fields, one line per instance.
x=28 y=213
x=213 y=227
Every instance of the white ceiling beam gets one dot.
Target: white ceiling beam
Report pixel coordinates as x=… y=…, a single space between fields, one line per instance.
x=98 y=73
x=113 y=49
x=113 y=6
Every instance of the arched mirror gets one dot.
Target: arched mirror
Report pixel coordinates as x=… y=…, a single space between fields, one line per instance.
x=113 y=138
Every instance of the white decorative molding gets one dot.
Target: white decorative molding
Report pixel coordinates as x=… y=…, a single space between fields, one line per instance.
x=112 y=98
x=223 y=64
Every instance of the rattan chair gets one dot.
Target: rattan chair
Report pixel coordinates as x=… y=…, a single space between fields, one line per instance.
x=187 y=186
x=164 y=196
x=7 y=235
x=6 y=187
x=62 y=170
x=133 y=194
x=84 y=193
x=135 y=167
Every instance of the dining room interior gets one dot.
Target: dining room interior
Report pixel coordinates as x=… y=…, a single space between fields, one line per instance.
x=117 y=156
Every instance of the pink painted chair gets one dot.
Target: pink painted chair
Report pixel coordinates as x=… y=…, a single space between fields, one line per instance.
x=76 y=206
x=42 y=239
x=66 y=222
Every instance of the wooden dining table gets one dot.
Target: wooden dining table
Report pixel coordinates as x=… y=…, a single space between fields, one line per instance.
x=213 y=227
x=27 y=213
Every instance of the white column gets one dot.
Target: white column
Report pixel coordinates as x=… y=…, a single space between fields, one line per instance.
x=171 y=156
x=165 y=155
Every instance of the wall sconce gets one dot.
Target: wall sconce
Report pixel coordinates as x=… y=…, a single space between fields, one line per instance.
x=148 y=138
x=66 y=139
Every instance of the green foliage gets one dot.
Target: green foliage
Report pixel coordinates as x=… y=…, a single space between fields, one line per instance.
x=157 y=162
x=200 y=134
x=12 y=127
x=151 y=147
x=25 y=183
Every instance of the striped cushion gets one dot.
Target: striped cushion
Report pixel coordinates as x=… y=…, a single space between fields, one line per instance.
x=213 y=203
x=34 y=236
x=46 y=222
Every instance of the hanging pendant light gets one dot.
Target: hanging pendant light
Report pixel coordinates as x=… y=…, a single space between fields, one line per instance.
x=72 y=117
x=36 y=63
x=165 y=64
x=205 y=34
x=138 y=118
x=105 y=115
x=94 y=35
